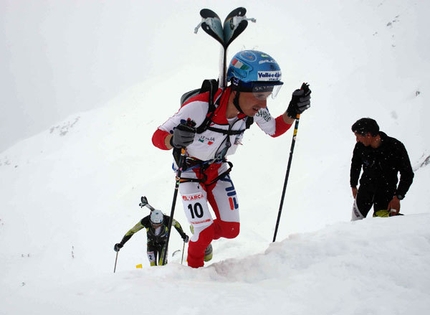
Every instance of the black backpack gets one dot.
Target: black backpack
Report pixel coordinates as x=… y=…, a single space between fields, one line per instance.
x=211 y=86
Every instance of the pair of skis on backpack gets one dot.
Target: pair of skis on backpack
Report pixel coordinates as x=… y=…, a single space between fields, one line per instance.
x=225 y=33
x=234 y=24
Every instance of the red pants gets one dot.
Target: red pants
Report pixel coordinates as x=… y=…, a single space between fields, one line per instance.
x=220 y=194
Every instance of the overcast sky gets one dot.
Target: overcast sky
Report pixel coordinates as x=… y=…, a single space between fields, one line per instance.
x=67 y=196
x=60 y=57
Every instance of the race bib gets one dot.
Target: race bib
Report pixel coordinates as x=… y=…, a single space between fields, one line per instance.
x=196 y=209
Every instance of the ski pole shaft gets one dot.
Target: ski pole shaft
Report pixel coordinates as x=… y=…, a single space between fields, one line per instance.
x=293 y=142
x=175 y=196
x=183 y=249
x=116 y=259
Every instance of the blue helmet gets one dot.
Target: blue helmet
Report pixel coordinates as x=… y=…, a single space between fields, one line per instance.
x=251 y=69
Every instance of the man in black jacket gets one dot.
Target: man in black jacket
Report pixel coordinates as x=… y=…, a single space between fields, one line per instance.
x=381 y=158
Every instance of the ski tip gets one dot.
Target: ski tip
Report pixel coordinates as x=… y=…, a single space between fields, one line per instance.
x=206 y=13
x=231 y=36
x=240 y=11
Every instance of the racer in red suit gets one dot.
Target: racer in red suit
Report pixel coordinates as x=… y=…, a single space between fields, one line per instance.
x=205 y=178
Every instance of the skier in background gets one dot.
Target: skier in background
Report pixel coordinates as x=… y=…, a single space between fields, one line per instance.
x=382 y=158
x=156 y=233
x=205 y=178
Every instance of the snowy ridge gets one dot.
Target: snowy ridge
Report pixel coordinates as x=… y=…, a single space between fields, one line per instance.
x=68 y=194
x=335 y=269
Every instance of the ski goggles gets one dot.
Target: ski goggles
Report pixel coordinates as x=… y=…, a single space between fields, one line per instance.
x=264 y=91
x=261 y=90
x=156 y=225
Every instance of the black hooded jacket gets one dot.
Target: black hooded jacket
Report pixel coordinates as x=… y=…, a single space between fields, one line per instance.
x=381 y=166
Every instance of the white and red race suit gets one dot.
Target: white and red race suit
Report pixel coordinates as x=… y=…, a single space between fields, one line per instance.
x=205 y=177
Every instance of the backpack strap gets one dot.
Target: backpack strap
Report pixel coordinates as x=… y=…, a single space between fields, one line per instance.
x=212 y=87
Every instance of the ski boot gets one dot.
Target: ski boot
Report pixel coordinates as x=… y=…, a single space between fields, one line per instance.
x=385 y=213
x=208 y=253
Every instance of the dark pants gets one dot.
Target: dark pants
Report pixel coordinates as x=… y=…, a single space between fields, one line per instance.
x=379 y=199
x=156 y=254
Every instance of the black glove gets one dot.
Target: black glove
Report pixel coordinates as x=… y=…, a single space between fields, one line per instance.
x=300 y=101
x=117 y=247
x=186 y=238
x=183 y=136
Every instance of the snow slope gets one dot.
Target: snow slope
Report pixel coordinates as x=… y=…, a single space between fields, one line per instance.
x=68 y=194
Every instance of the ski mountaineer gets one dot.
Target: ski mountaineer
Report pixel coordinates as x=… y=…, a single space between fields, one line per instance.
x=382 y=158
x=156 y=234
x=205 y=177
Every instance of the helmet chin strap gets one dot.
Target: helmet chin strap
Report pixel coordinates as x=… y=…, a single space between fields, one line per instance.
x=236 y=102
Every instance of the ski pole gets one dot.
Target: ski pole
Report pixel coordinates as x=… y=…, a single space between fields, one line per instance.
x=183 y=249
x=116 y=259
x=293 y=142
x=175 y=196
